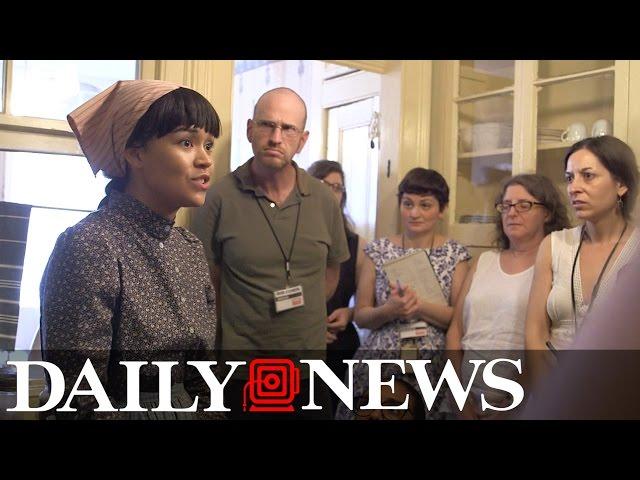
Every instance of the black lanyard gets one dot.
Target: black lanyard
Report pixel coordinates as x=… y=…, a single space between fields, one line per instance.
x=597 y=285
x=433 y=239
x=287 y=259
x=404 y=251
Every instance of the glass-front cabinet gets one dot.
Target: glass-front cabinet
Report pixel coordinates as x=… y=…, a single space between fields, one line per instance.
x=508 y=117
x=575 y=99
x=485 y=136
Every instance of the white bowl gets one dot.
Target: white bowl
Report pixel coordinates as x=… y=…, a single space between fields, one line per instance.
x=486 y=136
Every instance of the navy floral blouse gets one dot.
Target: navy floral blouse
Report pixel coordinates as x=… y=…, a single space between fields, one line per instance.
x=126 y=284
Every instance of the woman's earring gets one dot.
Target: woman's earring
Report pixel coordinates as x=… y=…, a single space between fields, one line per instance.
x=620 y=203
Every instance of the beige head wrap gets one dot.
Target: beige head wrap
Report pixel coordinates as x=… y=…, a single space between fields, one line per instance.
x=104 y=123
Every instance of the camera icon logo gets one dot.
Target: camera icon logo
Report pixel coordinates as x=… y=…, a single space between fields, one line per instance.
x=273 y=385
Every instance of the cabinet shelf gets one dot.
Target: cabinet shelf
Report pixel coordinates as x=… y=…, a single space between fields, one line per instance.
x=509 y=120
x=483 y=95
x=487 y=153
x=553 y=145
x=574 y=76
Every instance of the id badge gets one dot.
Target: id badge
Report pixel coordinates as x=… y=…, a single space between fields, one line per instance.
x=413 y=330
x=288 y=298
x=409 y=334
x=409 y=351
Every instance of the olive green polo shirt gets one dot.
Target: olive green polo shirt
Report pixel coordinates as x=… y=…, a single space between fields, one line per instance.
x=252 y=265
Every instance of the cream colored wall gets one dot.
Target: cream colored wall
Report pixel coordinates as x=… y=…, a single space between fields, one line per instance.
x=390 y=139
x=405 y=120
x=633 y=129
x=441 y=154
x=633 y=124
x=416 y=115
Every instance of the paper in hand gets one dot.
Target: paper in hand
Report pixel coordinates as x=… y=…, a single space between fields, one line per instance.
x=415 y=270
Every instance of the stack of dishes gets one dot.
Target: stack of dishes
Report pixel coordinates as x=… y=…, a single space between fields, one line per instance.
x=478 y=218
x=549 y=135
x=491 y=136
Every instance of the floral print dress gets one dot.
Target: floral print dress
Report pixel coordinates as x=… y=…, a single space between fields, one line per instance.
x=384 y=342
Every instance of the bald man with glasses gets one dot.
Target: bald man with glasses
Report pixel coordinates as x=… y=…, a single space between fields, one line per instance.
x=276 y=242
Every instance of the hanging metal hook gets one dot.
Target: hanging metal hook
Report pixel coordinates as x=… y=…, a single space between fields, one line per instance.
x=374 y=127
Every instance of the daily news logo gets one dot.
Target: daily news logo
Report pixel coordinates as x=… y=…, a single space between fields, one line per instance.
x=272 y=386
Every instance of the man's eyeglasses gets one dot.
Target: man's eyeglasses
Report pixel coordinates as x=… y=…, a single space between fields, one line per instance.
x=268 y=127
x=336 y=187
x=521 y=206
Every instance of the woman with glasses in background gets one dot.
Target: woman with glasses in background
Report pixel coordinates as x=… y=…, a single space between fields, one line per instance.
x=491 y=309
x=386 y=308
x=577 y=267
x=342 y=337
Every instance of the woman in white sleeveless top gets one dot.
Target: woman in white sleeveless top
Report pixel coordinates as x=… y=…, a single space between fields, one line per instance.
x=490 y=313
x=576 y=268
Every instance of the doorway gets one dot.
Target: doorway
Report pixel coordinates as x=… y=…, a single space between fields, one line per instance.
x=349 y=142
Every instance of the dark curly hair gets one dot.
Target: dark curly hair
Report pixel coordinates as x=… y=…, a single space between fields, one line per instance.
x=541 y=188
x=423 y=181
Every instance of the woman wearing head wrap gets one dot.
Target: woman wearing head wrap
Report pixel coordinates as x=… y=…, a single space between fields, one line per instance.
x=125 y=284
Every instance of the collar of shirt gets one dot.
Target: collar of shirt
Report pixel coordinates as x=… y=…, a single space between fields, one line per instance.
x=155 y=225
x=245 y=180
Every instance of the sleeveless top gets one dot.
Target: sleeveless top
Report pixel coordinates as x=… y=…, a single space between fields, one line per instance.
x=494 y=315
x=495 y=308
x=564 y=245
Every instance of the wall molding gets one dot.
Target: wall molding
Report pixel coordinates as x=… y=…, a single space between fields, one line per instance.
x=375 y=66
x=416 y=115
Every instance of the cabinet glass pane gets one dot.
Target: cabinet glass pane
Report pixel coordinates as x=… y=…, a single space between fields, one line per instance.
x=568 y=112
x=477 y=185
x=559 y=68
x=485 y=125
x=550 y=163
x=480 y=76
x=484 y=156
x=578 y=103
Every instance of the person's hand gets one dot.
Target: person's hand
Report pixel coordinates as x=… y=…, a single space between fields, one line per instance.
x=331 y=337
x=339 y=319
x=402 y=303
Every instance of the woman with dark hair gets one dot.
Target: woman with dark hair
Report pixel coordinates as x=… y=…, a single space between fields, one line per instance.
x=492 y=306
x=342 y=337
x=125 y=283
x=577 y=267
x=389 y=309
